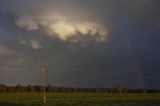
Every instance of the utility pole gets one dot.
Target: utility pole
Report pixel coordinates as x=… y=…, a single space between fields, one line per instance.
x=43 y=84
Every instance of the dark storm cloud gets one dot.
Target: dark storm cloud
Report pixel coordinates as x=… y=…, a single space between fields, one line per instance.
x=120 y=46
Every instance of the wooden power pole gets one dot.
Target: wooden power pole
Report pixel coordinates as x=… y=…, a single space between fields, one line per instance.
x=43 y=84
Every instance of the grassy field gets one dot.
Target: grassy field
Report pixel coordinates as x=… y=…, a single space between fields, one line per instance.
x=79 y=99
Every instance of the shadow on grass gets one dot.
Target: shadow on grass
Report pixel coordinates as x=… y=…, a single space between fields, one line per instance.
x=89 y=103
x=12 y=104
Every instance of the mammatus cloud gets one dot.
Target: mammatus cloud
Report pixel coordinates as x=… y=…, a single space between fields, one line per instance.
x=62 y=26
x=4 y=51
x=34 y=44
x=27 y=23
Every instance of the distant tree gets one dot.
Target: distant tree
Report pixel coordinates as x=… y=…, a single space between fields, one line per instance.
x=3 y=88
x=119 y=88
x=49 y=88
x=30 y=88
x=18 y=88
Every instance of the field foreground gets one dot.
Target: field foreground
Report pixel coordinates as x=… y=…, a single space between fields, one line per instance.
x=79 y=99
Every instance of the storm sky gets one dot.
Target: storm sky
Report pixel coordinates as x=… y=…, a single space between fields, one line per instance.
x=83 y=43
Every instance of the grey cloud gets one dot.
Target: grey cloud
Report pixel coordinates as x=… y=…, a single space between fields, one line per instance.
x=130 y=27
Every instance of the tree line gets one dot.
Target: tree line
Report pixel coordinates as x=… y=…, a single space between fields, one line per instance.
x=50 y=88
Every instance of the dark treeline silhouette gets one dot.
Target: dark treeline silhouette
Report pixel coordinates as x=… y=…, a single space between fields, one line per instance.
x=50 y=88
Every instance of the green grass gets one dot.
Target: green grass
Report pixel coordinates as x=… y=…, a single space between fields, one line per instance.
x=79 y=99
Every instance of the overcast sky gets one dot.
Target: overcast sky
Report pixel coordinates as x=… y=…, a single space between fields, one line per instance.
x=83 y=43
